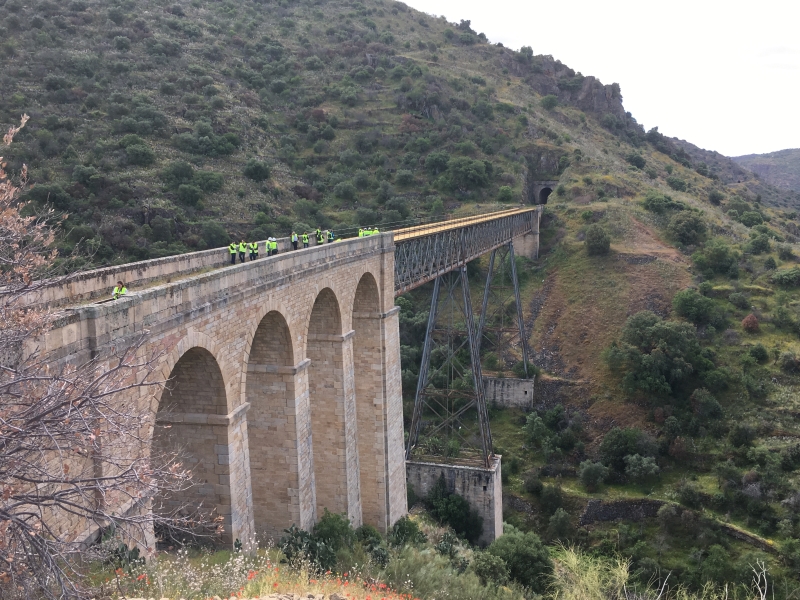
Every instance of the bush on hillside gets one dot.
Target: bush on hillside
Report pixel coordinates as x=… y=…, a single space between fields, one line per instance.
x=598 y=242
x=715 y=257
x=654 y=355
x=549 y=102
x=405 y=531
x=690 y=304
x=716 y=197
x=751 y=218
x=786 y=277
x=676 y=183
x=490 y=569
x=619 y=443
x=687 y=228
x=256 y=170
x=750 y=323
x=592 y=474
x=527 y=558
x=661 y=203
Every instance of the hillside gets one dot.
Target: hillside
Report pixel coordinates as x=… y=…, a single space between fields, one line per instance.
x=164 y=127
x=781 y=168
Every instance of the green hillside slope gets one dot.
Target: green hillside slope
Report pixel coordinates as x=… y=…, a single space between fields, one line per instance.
x=781 y=169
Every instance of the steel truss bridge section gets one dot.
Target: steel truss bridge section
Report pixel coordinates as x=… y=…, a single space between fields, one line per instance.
x=426 y=252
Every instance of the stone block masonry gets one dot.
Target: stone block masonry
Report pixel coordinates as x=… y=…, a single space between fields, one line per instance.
x=284 y=393
x=508 y=392
x=482 y=488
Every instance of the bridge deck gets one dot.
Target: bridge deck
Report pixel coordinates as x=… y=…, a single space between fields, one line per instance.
x=418 y=231
x=443 y=245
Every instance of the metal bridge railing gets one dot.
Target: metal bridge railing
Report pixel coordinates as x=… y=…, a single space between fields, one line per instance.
x=423 y=253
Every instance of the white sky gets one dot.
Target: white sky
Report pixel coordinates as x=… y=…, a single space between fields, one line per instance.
x=724 y=75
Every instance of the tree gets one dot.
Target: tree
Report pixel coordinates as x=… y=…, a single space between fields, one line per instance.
x=750 y=323
x=592 y=474
x=257 y=170
x=466 y=173
x=490 y=569
x=655 y=355
x=639 y=467
x=636 y=159
x=67 y=438
x=598 y=242
x=691 y=305
x=527 y=558
x=549 y=102
x=620 y=443
x=687 y=228
x=560 y=525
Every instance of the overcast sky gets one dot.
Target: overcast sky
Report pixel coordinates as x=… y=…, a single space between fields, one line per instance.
x=724 y=75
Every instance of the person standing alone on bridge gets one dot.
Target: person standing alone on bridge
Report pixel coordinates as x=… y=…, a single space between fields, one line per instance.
x=242 y=251
x=119 y=290
x=294 y=240
x=305 y=240
x=232 y=250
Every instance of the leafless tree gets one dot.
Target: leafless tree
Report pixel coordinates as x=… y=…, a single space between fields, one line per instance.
x=75 y=455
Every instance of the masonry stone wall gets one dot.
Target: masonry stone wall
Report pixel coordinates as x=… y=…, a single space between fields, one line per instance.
x=271 y=396
x=506 y=392
x=482 y=488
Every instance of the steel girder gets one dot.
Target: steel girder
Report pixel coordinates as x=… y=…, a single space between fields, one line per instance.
x=425 y=257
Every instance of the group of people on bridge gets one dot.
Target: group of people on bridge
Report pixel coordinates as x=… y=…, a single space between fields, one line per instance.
x=242 y=249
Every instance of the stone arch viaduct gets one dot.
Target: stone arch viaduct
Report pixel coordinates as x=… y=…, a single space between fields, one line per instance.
x=284 y=373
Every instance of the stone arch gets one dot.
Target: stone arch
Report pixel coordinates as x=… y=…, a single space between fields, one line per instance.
x=191 y=409
x=544 y=194
x=370 y=405
x=272 y=392
x=332 y=402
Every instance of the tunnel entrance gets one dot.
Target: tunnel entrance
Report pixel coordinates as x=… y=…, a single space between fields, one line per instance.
x=544 y=194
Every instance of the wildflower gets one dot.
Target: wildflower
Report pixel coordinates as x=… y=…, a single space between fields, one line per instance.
x=140 y=577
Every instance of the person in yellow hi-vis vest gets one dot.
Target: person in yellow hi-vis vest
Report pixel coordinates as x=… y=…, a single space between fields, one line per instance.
x=305 y=240
x=294 y=240
x=253 y=250
x=273 y=246
x=232 y=249
x=119 y=290
x=242 y=250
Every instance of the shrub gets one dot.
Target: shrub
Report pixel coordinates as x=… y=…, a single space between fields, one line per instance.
x=759 y=244
x=208 y=181
x=505 y=194
x=215 y=235
x=405 y=531
x=676 y=183
x=751 y=218
x=189 y=194
x=750 y=323
x=436 y=162
x=739 y=300
x=139 y=154
x=636 y=159
x=465 y=173
x=490 y=569
x=533 y=485
x=660 y=203
x=551 y=498
x=453 y=510
x=656 y=355
x=619 y=443
x=742 y=435
x=686 y=228
x=256 y=170
x=715 y=197
x=345 y=190
x=598 y=241
x=527 y=558
x=399 y=205
x=693 y=306
x=559 y=527
x=640 y=467
x=787 y=277
x=759 y=353
x=785 y=252
x=177 y=173
x=549 y=102
x=592 y=474
x=716 y=257
x=335 y=531
x=404 y=177
x=770 y=264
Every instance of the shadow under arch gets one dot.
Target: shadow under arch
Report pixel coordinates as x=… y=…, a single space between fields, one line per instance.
x=274 y=425
x=185 y=424
x=332 y=409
